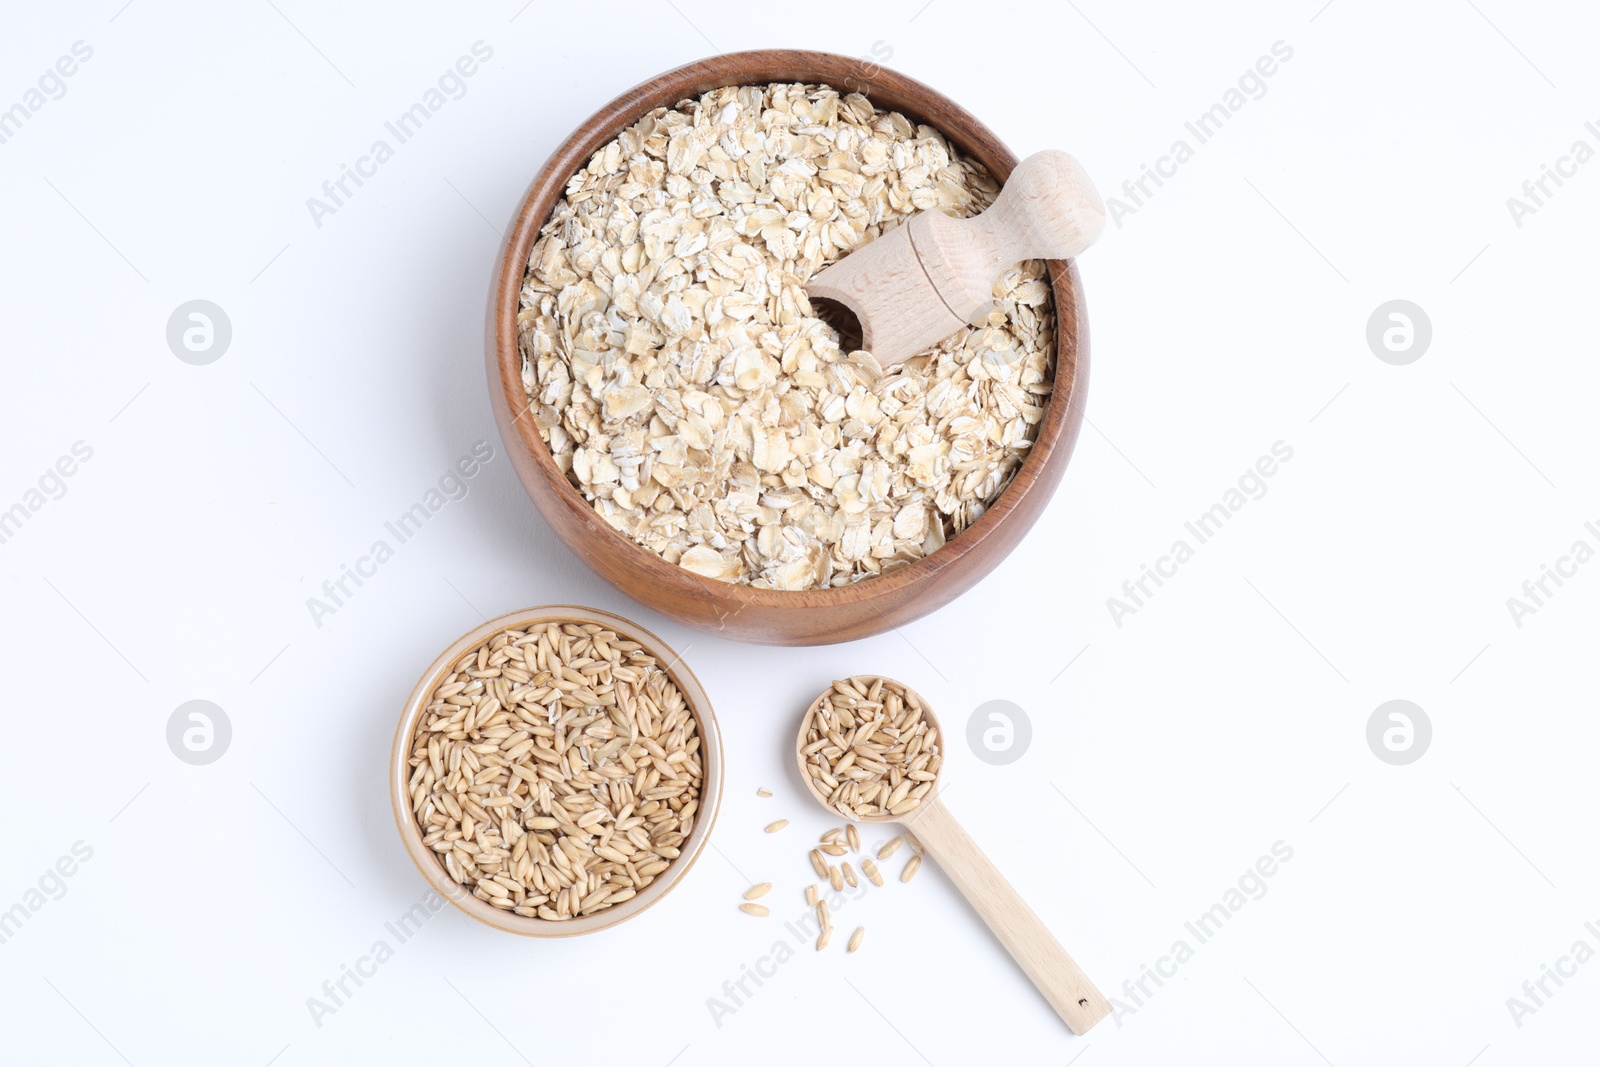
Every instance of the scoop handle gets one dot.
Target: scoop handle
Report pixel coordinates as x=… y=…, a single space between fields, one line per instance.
x=1047 y=209
x=1046 y=963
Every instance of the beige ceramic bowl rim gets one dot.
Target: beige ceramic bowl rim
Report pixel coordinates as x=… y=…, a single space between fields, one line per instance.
x=710 y=795
x=805 y=776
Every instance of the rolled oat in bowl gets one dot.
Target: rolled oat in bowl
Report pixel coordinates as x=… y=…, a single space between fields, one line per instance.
x=682 y=382
x=556 y=770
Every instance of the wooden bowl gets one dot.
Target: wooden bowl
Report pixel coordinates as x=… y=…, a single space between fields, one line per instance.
x=809 y=617
x=427 y=861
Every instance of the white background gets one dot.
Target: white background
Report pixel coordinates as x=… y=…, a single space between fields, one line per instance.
x=1229 y=312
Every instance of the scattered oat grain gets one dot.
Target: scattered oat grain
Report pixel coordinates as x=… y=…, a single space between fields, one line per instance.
x=819 y=864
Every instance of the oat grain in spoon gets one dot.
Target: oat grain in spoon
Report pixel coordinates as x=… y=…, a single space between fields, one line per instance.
x=869 y=749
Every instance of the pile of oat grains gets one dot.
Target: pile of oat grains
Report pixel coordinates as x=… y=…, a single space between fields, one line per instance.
x=556 y=770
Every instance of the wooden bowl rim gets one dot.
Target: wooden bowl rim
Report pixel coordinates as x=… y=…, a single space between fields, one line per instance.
x=805 y=776
x=1063 y=410
x=695 y=698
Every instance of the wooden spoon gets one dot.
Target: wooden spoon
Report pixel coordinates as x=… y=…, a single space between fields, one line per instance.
x=921 y=282
x=1058 y=978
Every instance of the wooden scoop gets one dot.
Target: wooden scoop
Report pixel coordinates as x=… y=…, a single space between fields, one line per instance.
x=1029 y=941
x=923 y=281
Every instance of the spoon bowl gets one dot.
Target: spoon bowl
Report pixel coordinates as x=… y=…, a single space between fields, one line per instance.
x=805 y=728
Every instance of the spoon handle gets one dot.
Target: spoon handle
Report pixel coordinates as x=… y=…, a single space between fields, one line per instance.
x=1064 y=985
